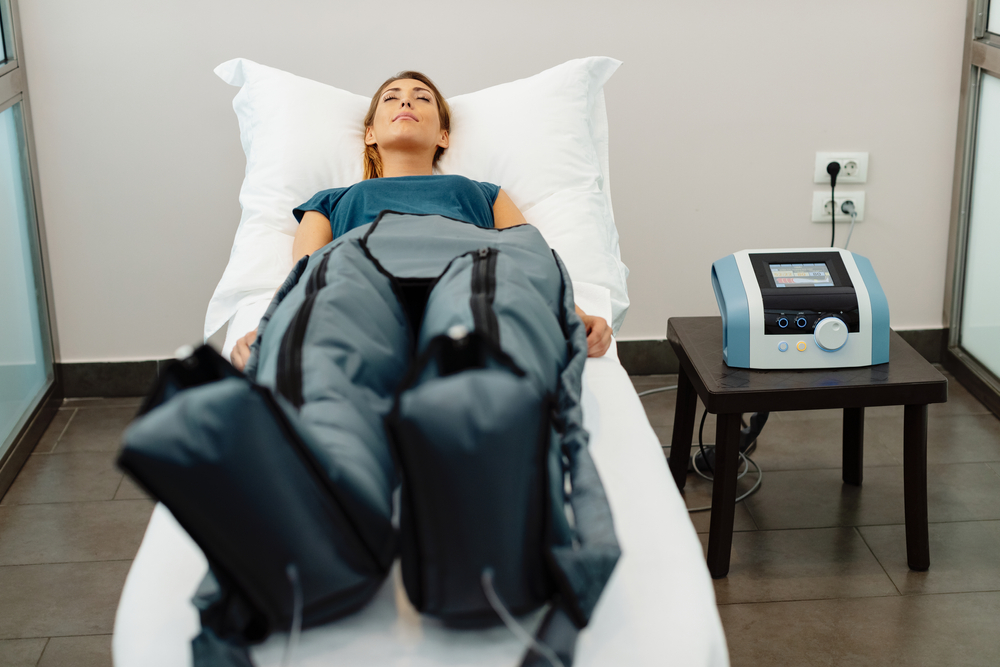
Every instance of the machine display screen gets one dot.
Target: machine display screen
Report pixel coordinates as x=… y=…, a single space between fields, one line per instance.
x=801 y=274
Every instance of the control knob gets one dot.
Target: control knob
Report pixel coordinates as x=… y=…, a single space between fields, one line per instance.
x=831 y=334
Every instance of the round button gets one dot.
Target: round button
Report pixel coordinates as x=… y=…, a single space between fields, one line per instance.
x=782 y=346
x=831 y=334
x=783 y=322
x=801 y=322
x=801 y=346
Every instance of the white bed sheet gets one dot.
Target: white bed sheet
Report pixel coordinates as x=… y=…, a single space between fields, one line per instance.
x=658 y=608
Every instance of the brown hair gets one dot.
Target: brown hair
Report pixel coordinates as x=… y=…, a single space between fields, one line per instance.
x=372 y=159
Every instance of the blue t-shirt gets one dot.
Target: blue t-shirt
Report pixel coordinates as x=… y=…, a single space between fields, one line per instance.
x=452 y=196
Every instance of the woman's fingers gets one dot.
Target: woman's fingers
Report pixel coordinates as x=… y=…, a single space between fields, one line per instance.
x=598 y=335
x=241 y=351
x=240 y=354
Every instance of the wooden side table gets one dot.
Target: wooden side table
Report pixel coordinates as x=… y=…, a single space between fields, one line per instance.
x=906 y=380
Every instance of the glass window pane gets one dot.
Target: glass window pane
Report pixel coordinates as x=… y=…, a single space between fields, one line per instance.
x=981 y=302
x=6 y=38
x=25 y=362
x=993 y=18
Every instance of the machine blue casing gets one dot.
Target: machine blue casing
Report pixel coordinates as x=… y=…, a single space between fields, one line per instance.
x=735 y=309
x=880 y=310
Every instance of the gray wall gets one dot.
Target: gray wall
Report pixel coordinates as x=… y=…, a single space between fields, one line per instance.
x=715 y=116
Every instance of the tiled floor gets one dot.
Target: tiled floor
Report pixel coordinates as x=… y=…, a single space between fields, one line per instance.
x=819 y=573
x=69 y=528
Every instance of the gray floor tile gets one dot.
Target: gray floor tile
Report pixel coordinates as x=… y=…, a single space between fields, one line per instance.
x=96 y=429
x=807 y=415
x=659 y=411
x=962 y=492
x=955 y=439
x=660 y=408
x=21 y=652
x=59 y=478
x=965 y=556
x=960 y=402
x=129 y=490
x=54 y=431
x=698 y=493
x=72 y=532
x=643 y=382
x=768 y=566
x=665 y=434
x=88 y=651
x=124 y=402
x=802 y=444
x=61 y=599
x=664 y=426
x=994 y=466
x=958 y=630
x=819 y=498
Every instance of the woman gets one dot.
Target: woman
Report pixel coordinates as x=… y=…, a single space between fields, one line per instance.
x=406 y=131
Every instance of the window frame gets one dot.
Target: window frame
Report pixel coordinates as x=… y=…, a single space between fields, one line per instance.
x=981 y=56
x=13 y=91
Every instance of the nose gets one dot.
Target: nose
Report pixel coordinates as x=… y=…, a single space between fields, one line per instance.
x=406 y=103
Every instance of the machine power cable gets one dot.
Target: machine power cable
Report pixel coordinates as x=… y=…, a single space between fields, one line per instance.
x=848 y=208
x=745 y=461
x=833 y=169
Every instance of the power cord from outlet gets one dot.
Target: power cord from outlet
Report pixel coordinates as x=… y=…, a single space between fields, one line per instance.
x=748 y=442
x=833 y=169
x=848 y=208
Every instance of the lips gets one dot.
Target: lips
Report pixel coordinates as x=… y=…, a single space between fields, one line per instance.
x=404 y=114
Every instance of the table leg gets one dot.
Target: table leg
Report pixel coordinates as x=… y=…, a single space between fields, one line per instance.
x=680 y=441
x=854 y=445
x=720 y=531
x=915 y=486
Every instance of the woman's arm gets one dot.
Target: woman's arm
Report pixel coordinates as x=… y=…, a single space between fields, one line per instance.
x=506 y=214
x=313 y=233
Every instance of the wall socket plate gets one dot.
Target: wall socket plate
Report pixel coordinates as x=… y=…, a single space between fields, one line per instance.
x=821 y=205
x=853 y=167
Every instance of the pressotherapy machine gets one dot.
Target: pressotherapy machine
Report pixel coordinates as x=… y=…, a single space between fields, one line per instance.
x=801 y=308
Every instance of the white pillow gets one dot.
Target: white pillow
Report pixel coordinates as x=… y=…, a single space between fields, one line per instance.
x=543 y=139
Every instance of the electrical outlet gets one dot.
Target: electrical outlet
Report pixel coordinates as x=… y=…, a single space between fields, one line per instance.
x=822 y=205
x=853 y=167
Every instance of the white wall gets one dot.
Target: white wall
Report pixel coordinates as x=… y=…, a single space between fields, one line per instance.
x=715 y=117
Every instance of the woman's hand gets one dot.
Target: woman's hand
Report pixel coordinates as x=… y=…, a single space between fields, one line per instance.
x=598 y=333
x=241 y=351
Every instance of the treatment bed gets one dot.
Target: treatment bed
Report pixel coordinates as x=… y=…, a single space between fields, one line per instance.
x=658 y=608
x=301 y=136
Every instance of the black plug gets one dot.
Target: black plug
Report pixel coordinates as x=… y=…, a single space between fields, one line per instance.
x=833 y=169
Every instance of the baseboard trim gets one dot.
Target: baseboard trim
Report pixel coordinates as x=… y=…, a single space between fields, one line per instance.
x=930 y=343
x=638 y=357
x=111 y=379
x=647 y=357
x=656 y=357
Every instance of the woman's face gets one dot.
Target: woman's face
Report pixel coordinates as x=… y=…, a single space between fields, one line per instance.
x=407 y=119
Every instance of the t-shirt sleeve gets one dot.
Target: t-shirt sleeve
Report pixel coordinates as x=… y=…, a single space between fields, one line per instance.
x=491 y=191
x=323 y=202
